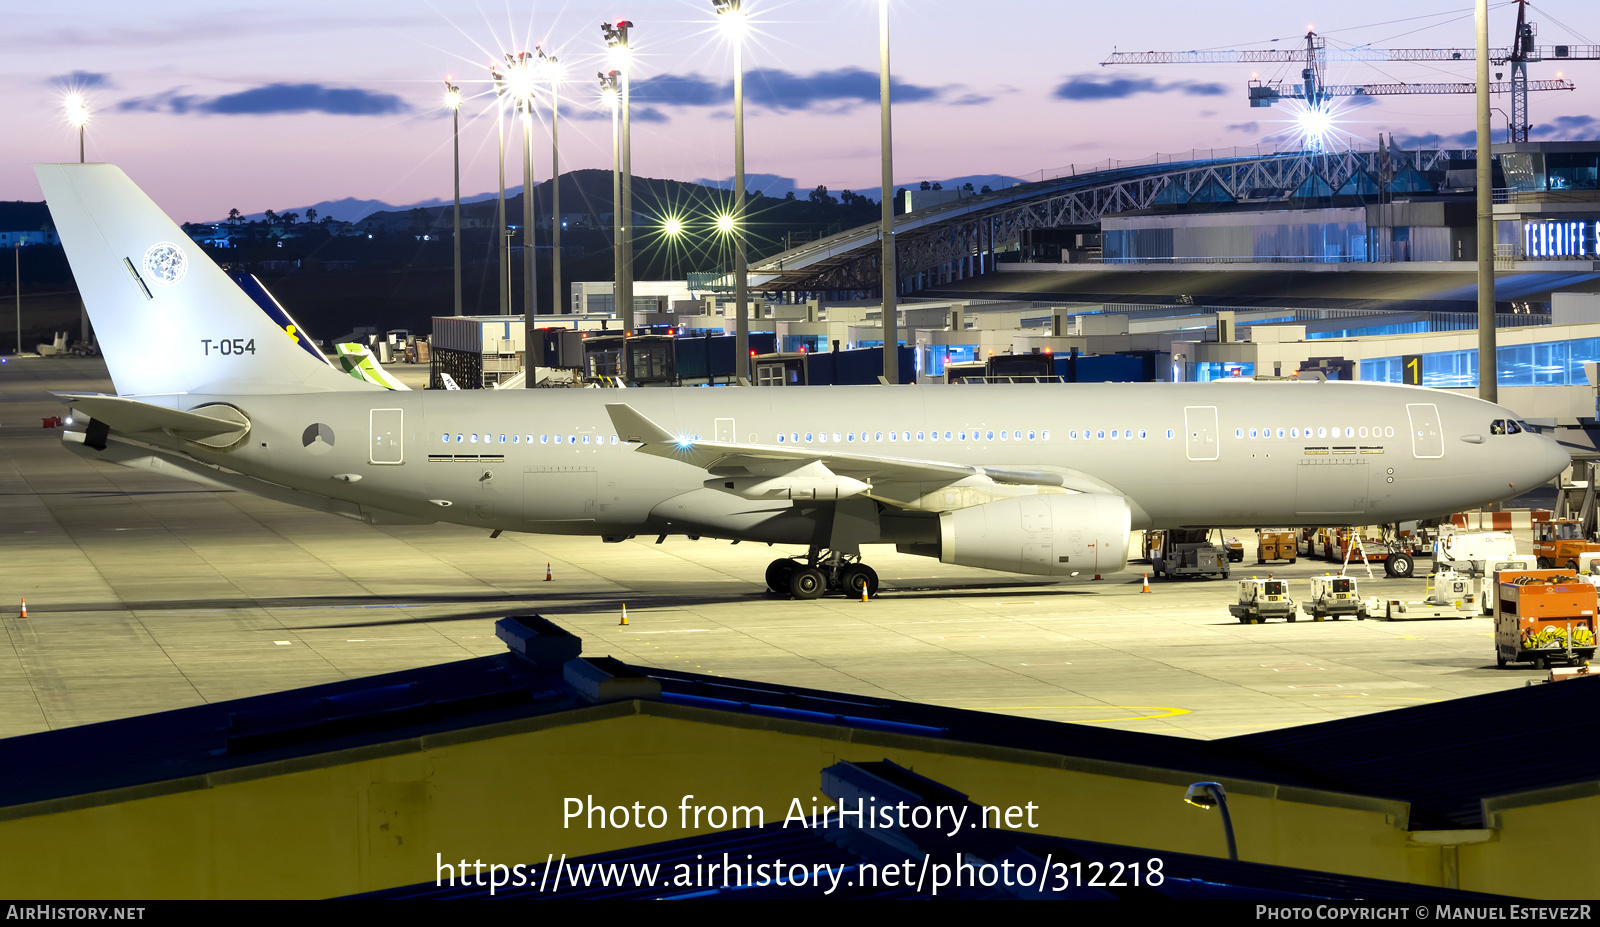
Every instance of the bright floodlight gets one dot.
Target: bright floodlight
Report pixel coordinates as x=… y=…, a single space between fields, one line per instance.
x=673 y=226
x=724 y=224
x=730 y=15
x=1315 y=123
x=77 y=110
x=519 y=76
x=452 y=96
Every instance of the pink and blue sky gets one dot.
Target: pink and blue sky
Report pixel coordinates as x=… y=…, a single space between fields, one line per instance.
x=229 y=104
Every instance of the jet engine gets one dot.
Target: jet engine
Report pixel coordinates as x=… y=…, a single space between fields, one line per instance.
x=1055 y=534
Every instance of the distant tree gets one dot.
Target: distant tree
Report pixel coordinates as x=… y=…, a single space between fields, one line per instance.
x=986 y=189
x=820 y=197
x=967 y=186
x=789 y=195
x=926 y=185
x=270 y=217
x=938 y=186
x=311 y=214
x=290 y=218
x=235 y=216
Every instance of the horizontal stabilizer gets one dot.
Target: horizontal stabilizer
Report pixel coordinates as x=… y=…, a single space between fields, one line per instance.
x=130 y=416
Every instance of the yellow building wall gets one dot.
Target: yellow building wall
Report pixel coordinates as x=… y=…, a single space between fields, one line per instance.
x=376 y=817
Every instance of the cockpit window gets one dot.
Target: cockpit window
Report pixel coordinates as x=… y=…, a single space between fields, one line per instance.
x=1506 y=426
x=1513 y=427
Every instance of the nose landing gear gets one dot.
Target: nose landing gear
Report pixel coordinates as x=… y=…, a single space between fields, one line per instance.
x=822 y=573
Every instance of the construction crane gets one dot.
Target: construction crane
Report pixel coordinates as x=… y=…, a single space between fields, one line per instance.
x=1314 y=91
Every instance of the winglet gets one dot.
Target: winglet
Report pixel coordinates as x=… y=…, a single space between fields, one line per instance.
x=636 y=428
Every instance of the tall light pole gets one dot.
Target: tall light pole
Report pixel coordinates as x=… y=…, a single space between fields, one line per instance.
x=617 y=38
x=520 y=83
x=731 y=14
x=552 y=67
x=452 y=99
x=891 y=326
x=78 y=115
x=1488 y=363
x=608 y=89
x=502 y=242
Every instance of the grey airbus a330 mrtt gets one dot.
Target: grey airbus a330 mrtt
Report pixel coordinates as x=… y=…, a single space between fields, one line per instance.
x=1040 y=479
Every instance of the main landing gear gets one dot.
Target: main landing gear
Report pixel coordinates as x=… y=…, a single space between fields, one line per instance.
x=819 y=574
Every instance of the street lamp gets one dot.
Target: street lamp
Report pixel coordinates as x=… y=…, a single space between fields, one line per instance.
x=1209 y=794
x=77 y=115
x=452 y=99
x=617 y=40
x=502 y=238
x=552 y=70
x=891 y=328
x=730 y=13
x=608 y=90
x=520 y=85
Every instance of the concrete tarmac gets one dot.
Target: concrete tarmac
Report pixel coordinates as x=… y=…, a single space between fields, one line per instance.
x=146 y=593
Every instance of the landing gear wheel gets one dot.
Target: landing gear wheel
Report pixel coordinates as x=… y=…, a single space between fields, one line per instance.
x=859 y=576
x=778 y=572
x=1400 y=566
x=1545 y=563
x=807 y=583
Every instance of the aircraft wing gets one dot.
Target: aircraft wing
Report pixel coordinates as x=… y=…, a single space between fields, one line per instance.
x=897 y=480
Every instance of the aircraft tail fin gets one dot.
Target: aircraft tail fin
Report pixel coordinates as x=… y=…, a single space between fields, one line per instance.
x=168 y=319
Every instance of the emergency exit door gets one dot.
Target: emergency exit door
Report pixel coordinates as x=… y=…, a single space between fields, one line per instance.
x=1200 y=432
x=388 y=436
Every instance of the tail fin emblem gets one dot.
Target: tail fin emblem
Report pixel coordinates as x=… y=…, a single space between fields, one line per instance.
x=165 y=263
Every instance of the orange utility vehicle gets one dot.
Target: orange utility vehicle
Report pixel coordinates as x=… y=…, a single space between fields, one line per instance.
x=1276 y=544
x=1558 y=543
x=1543 y=617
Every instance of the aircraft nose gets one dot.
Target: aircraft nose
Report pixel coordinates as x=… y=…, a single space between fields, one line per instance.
x=1550 y=459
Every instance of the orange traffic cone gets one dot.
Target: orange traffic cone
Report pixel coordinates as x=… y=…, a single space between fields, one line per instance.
x=1146 y=587
x=24 y=608
x=1097 y=576
x=863 y=592
x=624 y=622
x=547 y=576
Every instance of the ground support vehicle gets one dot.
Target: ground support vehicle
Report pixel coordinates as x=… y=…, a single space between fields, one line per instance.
x=1334 y=597
x=1234 y=548
x=1188 y=552
x=1399 y=610
x=1276 y=544
x=1260 y=599
x=1473 y=583
x=1559 y=543
x=1544 y=617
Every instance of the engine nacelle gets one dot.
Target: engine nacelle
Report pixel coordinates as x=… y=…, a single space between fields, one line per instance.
x=1054 y=534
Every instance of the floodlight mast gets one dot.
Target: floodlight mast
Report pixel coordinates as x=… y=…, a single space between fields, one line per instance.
x=616 y=36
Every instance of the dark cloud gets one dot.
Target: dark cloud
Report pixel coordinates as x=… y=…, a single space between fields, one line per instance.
x=971 y=99
x=1092 y=87
x=776 y=89
x=80 y=80
x=273 y=99
x=1249 y=128
x=1570 y=127
x=635 y=114
x=1468 y=139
